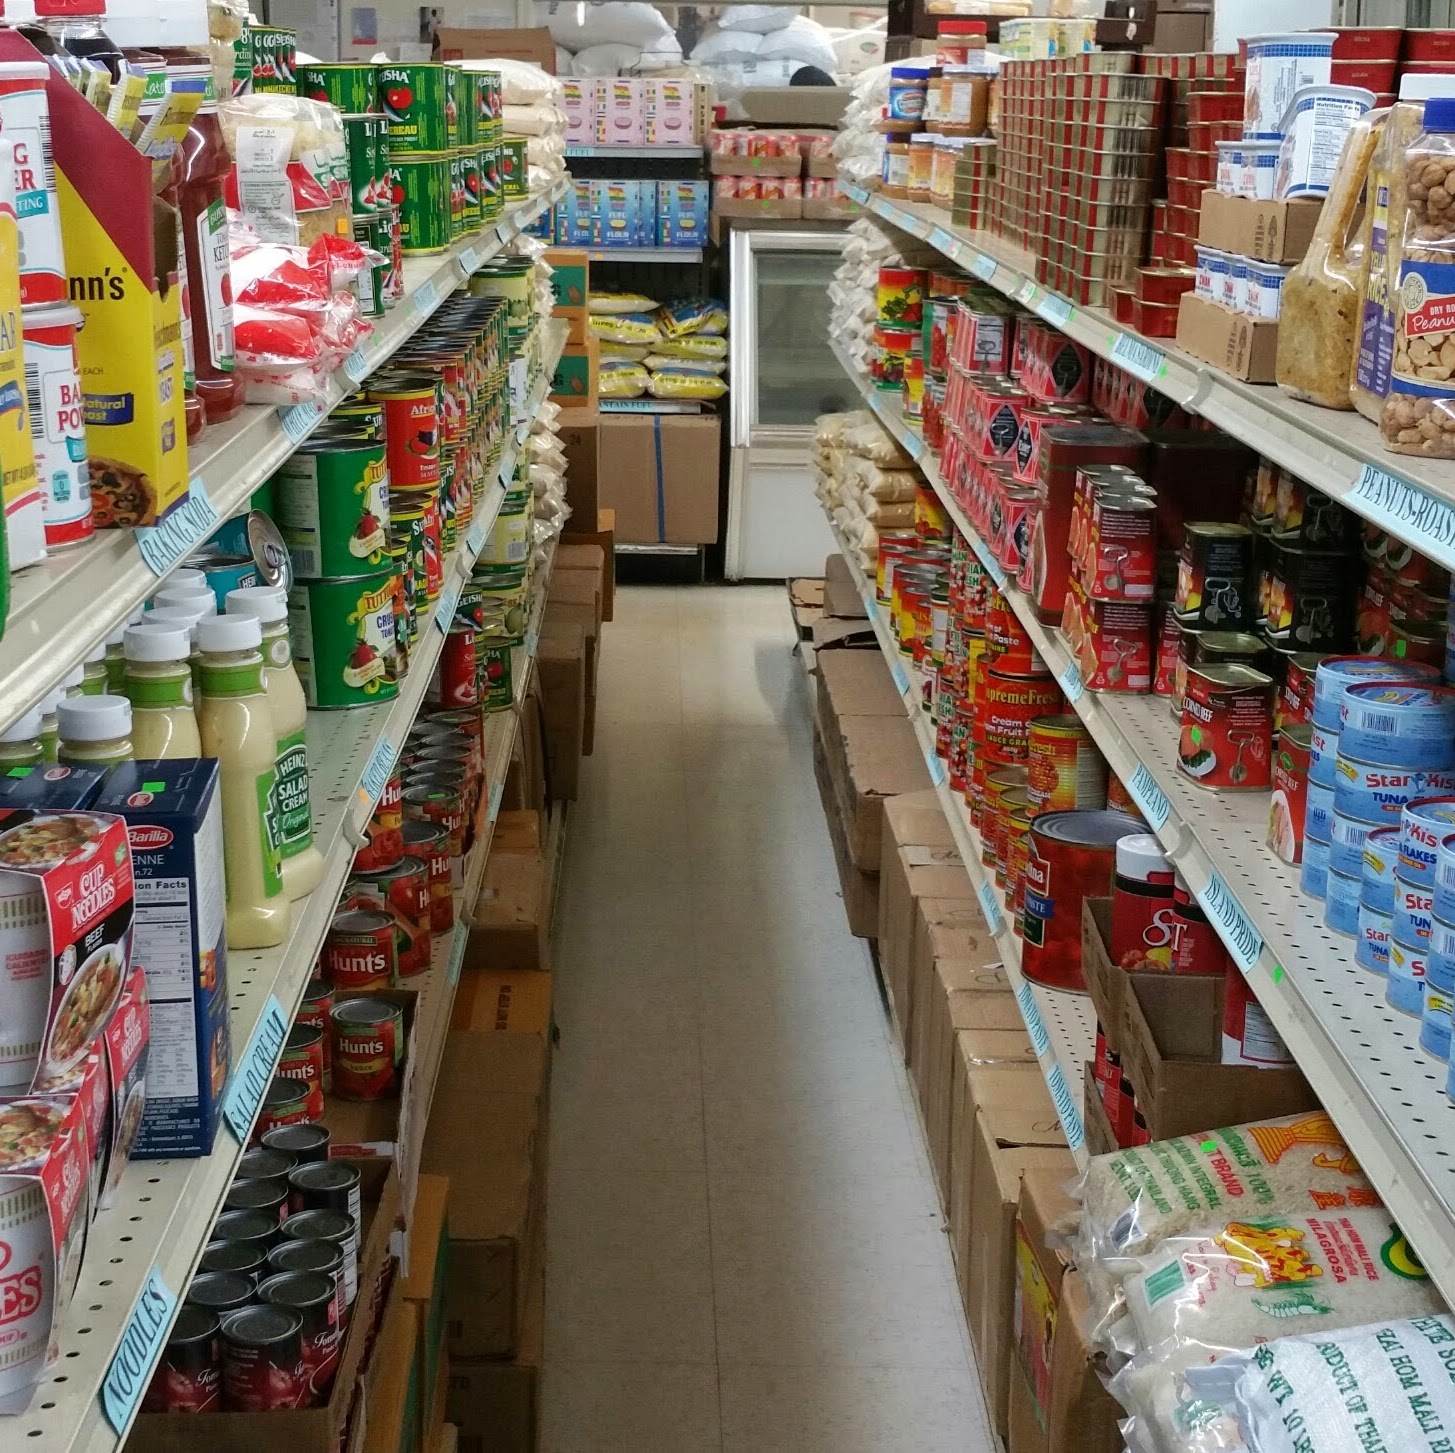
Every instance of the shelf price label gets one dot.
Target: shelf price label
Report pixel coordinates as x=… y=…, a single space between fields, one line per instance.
x=532 y=641
x=1071 y=682
x=300 y=419
x=941 y=241
x=496 y=793
x=1031 y=1013
x=1056 y=311
x=1066 y=1107
x=426 y=297
x=357 y=366
x=255 y=1069
x=1234 y=926
x=376 y=771
x=994 y=919
x=983 y=266
x=1026 y=293
x=444 y=610
x=1137 y=357
x=1429 y=523
x=469 y=260
x=164 y=546
x=457 y=954
x=1150 y=798
x=901 y=681
x=136 y=1355
x=937 y=772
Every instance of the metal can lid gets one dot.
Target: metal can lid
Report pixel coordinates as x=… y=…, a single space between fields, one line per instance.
x=296 y=1289
x=324 y=1175
x=247 y=1225
x=262 y=1326
x=194 y=1324
x=262 y=1164
x=232 y=1256
x=318 y=1225
x=364 y=1011
x=306 y=1254
x=360 y=920
x=221 y=1290
x=299 y=1139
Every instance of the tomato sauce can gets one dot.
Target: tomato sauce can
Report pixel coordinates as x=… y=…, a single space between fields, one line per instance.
x=1226 y=740
x=412 y=97
x=310 y=1295
x=351 y=86
x=1289 y=803
x=1008 y=706
x=361 y=952
x=1065 y=769
x=438 y=802
x=385 y=845
x=1071 y=857
x=188 y=1376
x=368 y=1048
x=459 y=666
x=262 y=1360
x=1249 y=1037
x=430 y=842
x=402 y=894
x=330 y=1185
x=1016 y=864
x=335 y=1228
x=325 y=1258
x=411 y=429
x=306 y=1142
x=302 y=1060
x=285 y=1102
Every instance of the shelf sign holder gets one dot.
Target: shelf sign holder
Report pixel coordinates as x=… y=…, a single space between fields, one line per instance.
x=1031 y=1013
x=164 y=546
x=1234 y=926
x=254 y=1069
x=1066 y=1107
x=1137 y=357
x=1149 y=797
x=142 y=1340
x=376 y=771
x=994 y=918
x=1056 y=311
x=983 y=266
x=1408 y=511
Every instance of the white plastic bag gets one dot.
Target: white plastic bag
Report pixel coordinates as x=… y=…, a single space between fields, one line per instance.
x=802 y=40
x=727 y=47
x=762 y=18
x=621 y=22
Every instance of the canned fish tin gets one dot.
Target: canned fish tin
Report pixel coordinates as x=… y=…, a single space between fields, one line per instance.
x=1413 y=913
x=311 y=1295
x=361 y=952
x=333 y=508
x=345 y=646
x=412 y=431
x=1378 y=795
x=275 y=59
x=302 y=1060
x=412 y=97
x=1313 y=873
x=1336 y=674
x=1435 y=1021
x=57 y=422
x=402 y=892
x=1440 y=965
x=285 y=1102
x=1405 y=988
x=420 y=187
x=1288 y=806
x=1318 y=818
x=1400 y=725
x=1346 y=845
x=1423 y=824
x=430 y=842
x=1227 y=728
x=188 y=1376
x=368 y=1048
x=1381 y=857
x=1341 y=903
x=1323 y=753
x=1372 y=939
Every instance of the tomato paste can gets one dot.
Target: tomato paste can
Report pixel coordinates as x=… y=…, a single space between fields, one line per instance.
x=412 y=418
x=402 y=892
x=25 y=121
x=285 y=1102
x=383 y=846
x=262 y=1360
x=310 y=1295
x=302 y=1060
x=430 y=842
x=440 y=804
x=328 y=1185
x=1007 y=640
x=349 y=86
x=412 y=98
x=1215 y=577
x=345 y=643
x=368 y=1048
x=420 y=189
x=434 y=548
x=336 y=1228
x=262 y=1164
x=1249 y=1037
x=1003 y=803
x=325 y=1258
x=1289 y=803
x=275 y=59
x=1071 y=857
x=1066 y=771
x=188 y=1376
x=1014 y=861
x=333 y=508
x=58 y=420
x=459 y=665
x=514 y=185
x=304 y=1141
x=1226 y=743
x=360 y=952
x=365 y=134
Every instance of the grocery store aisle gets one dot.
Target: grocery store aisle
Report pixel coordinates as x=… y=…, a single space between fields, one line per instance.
x=744 y=1246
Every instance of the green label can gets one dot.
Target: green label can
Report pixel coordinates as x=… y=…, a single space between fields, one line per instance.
x=467 y=103
x=469 y=160
x=373 y=281
x=407 y=609
x=514 y=182
x=275 y=59
x=413 y=98
x=352 y=86
x=452 y=106
x=363 y=417
x=333 y=508
x=421 y=190
x=492 y=101
x=345 y=642
x=242 y=62
x=497 y=684
x=492 y=202
x=407 y=531
x=457 y=194
x=367 y=139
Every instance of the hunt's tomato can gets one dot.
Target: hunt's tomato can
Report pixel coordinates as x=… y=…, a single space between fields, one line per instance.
x=1226 y=742
x=430 y=842
x=385 y=845
x=368 y=1048
x=402 y=892
x=361 y=951
x=285 y=1102
x=439 y=802
x=317 y=1001
x=302 y=1060
x=262 y=1360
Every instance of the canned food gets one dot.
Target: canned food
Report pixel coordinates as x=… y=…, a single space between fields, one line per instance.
x=275 y=59
x=245 y=1258
x=1372 y=939
x=220 y=1292
x=337 y=1228
x=1249 y=1037
x=1400 y=725
x=1214 y=576
x=1227 y=728
x=57 y=420
x=1336 y=674
x=385 y=846
x=1378 y=795
x=412 y=432
x=412 y=98
x=327 y=1186
x=285 y=1102
x=420 y=189
x=302 y=1060
x=262 y=1360
x=368 y=1048
x=345 y=646
x=269 y=1196
x=333 y=507
x=188 y=1375
x=1065 y=769
x=1289 y=803
x=1313 y=873
x=402 y=893
x=442 y=804
x=312 y=1296
x=1405 y=984
x=1377 y=870
x=430 y=842
x=308 y=1143
x=361 y=951
x=350 y=86
x=1346 y=845
x=325 y=1258
x=1424 y=824
x=1413 y=914
x=317 y=1001
x=262 y=1164
x=254 y=1227
x=514 y=183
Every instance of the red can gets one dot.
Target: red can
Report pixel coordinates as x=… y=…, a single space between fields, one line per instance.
x=317 y=1001
x=1007 y=643
x=1121 y=546
x=1249 y=1037
x=434 y=547
x=1289 y=804
x=441 y=804
x=411 y=431
x=285 y=1102
x=430 y=842
x=262 y=1360
x=1141 y=906
x=459 y=668
x=312 y=1296
x=402 y=892
x=188 y=1377
x=384 y=846
x=1008 y=705
x=368 y=1048
x=1226 y=743
x=302 y=1060
x=1196 y=947
x=361 y=951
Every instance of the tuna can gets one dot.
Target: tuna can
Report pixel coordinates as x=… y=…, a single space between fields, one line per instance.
x=412 y=98
x=411 y=407
x=1249 y=1037
x=1341 y=902
x=323 y=1257
x=221 y=1292
x=360 y=952
x=1323 y=751
x=384 y=846
x=333 y=508
x=57 y=421
x=1423 y=824
x=302 y=1060
x=261 y=1164
x=1336 y=674
x=327 y=1186
x=1413 y=913
x=1314 y=870
x=1214 y=574
x=402 y=892
x=430 y=841
x=1400 y=725
x=270 y=1196
x=1440 y=963
x=368 y=1048
x=285 y=1102
x=1371 y=942
x=188 y=1376
x=1227 y=728
x=308 y=1142
x=337 y=1228
x=1378 y=794
x=1445 y=879
x=420 y=188
x=1346 y=845
x=1377 y=870
x=1288 y=806
x=345 y=646
x=1072 y=857
x=262 y=1360
x=438 y=804
x=1318 y=817
x=514 y=186
x=310 y=1294
x=1405 y=989
x=1435 y=1021
x=275 y=59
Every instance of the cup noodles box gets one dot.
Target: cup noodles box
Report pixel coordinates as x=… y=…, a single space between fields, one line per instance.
x=45 y=1151
x=173 y=817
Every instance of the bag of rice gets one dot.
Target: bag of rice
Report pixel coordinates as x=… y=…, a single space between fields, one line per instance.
x=631 y=352
x=624 y=328
x=869 y=440
x=695 y=346
x=620 y=303
x=1384 y=1386
x=896 y=485
x=620 y=379
x=683 y=381
x=698 y=365
x=691 y=315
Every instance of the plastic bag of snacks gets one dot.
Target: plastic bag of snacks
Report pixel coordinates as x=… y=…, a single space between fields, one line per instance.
x=620 y=303
x=693 y=315
x=694 y=346
x=686 y=382
x=624 y=327
x=620 y=379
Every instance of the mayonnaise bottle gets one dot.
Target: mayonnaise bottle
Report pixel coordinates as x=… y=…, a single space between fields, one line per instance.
x=237 y=728
x=187 y=617
x=302 y=862
x=158 y=683
x=95 y=731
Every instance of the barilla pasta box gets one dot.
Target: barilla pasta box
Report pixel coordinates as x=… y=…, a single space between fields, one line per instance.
x=51 y=786
x=173 y=816
x=44 y=1199
x=121 y=254
x=682 y=214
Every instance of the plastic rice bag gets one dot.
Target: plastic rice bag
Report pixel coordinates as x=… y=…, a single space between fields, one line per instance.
x=683 y=381
x=620 y=379
x=698 y=365
x=605 y=303
x=624 y=327
x=697 y=346
x=692 y=315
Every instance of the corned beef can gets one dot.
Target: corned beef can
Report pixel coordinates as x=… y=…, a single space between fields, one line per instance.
x=383 y=847
x=188 y=1376
x=361 y=951
x=310 y=1294
x=1072 y=857
x=1012 y=519
x=1065 y=769
x=403 y=892
x=1008 y=706
x=430 y=842
x=302 y=1060
x=1226 y=742
x=368 y=1048
x=1296 y=695
x=1169 y=644
x=262 y=1360
x=1289 y=803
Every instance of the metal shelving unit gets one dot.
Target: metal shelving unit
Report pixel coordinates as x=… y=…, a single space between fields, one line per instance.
x=141 y=1253
x=46 y=632
x=1362 y=1058
x=639 y=153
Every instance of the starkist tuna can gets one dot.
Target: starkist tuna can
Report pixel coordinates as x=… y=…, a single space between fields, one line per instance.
x=1377 y=870
x=345 y=646
x=1072 y=857
x=1400 y=725
x=333 y=508
x=1336 y=674
x=1424 y=823
x=1377 y=795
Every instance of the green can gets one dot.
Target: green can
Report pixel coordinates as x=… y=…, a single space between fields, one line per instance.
x=408 y=533
x=361 y=416
x=352 y=86
x=493 y=650
x=508 y=542
x=333 y=508
x=345 y=640
x=452 y=106
x=457 y=194
x=242 y=62
x=413 y=98
x=492 y=102
x=492 y=203
x=275 y=59
x=514 y=180
x=469 y=160
x=407 y=609
x=467 y=104
x=421 y=187
x=366 y=136
x=373 y=281
x=509 y=280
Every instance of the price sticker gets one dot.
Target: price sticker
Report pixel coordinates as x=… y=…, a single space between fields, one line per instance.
x=475 y=536
x=254 y=1070
x=1031 y=1013
x=941 y=241
x=142 y=1340
x=357 y=366
x=1150 y=798
x=532 y=640
x=994 y=919
x=165 y=546
x=1137 y=357
x=1235 y=928
x=1066 y=1107
x=1056 y=311
x=469 y=260
x=444 y=609
x=857 y=193
x=1071 y=683
x=1027 y=291
x=376 y=771
x=299 y=420
x=426 y=297
x=983 y=266
x=938 y=775
x=901 y=681
x=1428 y=523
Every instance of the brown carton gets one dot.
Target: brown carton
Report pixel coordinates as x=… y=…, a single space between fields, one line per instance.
x=853 y=682
x=871 y=759
x=580 y=435
x=1268 y=231
x=391 y=1390
x=860 y=889
x=496 y=1405
x=1243 y=347
x=510 y=924
x=660 y=475
x=422 y=1281
x=533 y=44
x=503 y=1001
x=840 y=594
x=561 y=670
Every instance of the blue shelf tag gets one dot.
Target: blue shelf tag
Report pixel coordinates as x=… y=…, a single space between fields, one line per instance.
x=1031 y=1013
x=496 y=793
x=457 y=953
x=377 y=770
x=1071 y=683
x=254 y=1069
x=164 y=546
x=994 y=918
x=938 y=775
x=1027 y=291
x=426 y=298
x=1056 y=311
x=298 y=421
x=1066 y=1107
x=444 y=607
x=901 y=681
x=469 y=260
x=983 y=266
x=357 y=366
x=1150 y=798
x=1235 y=928
x=1137 y=357
x=532 y=641
x=941 y=241
x=142 y=1340
x=1427 y=522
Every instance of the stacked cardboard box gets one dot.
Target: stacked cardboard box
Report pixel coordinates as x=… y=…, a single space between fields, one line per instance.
x=576 y=606
x=659 y=474
x=510 y=921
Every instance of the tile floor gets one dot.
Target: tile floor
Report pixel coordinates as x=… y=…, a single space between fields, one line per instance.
x=745 y=1252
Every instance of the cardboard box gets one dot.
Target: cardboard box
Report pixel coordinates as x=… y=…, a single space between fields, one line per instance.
x=391 y=1391
x=578 y=101
x=510 y=923
x=580 y=435
x=660 y=475
x=533 y=44
x=486 y=1135
x=1168 y=1030
x=579 y=531
x=561 y=669
x=571 y=217
x=673 y=112
x=590 y=560
x=570 y=288
x=682 y=208
x=1100 y=1137
x=422 y=1282
x=435 y=1437
x=860 y=889
x=1266 y=230
x=1242 y=347
x=560 y=607
x=855 y=682
x=574 y=381
x=496 y=1405
x=841 y=596
x=871 y=759
x=571 y=586
x=621 y=118
x=503 y=1001
x=776 y=209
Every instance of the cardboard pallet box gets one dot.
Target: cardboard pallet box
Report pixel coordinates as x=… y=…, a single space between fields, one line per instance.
x=860 y=890
x=594 y=561
x=659 y=473
x=596 y=527
x=422 y=1282
x=525 y=777
x=391 y=1397
x=561 y=669
x=841 y=596
x=496 y=1405
x=580 y=435
x=570 y=289
x=510 y=922
x=574 y=598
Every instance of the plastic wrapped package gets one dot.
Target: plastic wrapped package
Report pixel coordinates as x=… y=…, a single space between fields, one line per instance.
x=616 y=352
x=686 y=317
x=803 y=41
x=615 y=59
x=700 y=365
x=888 y=485
x=764 y=19
x=625 y=327
x=1321 y=296
x=620 y=303
x=226 y=22
x=869 y=440
x=684 y=381
x=614 y=22
x=289 y=181
x=538 y=118
x=619 y=379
